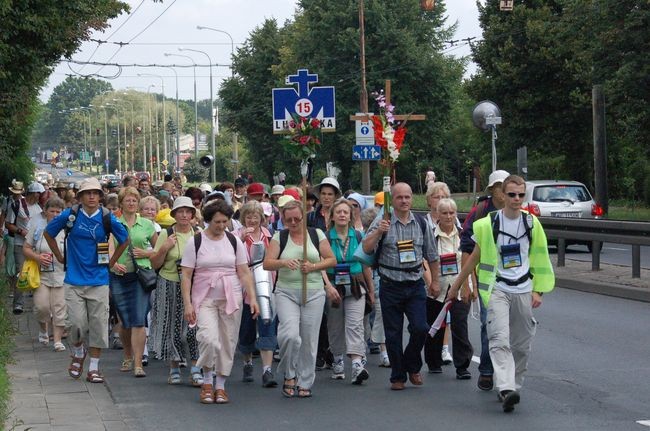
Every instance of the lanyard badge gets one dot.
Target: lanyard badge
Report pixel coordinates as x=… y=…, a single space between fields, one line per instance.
x=342 y=274
x=448 y=264
x=102 y=253
x=511 y=256
x=406 y=251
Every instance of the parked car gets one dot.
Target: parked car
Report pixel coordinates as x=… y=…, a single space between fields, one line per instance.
x=556 y=198
x=104 y=179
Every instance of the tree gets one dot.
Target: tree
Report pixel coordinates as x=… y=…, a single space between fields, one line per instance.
x=35 y=35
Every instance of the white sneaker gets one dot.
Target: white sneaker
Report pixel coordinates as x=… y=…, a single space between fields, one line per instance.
x=359 y=374
x=384 y=362
x=446 y=357
x=338 y=370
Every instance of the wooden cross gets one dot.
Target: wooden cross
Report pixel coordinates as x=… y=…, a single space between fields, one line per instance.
x=412 y=117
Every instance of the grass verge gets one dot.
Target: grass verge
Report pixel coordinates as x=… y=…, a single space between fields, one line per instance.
x=6 y=345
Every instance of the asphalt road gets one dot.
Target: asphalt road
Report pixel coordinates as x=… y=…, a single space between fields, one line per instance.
x=589 y=371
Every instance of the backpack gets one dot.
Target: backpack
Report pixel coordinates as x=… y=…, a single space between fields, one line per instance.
x=423 y=225
x=15 y=208
x=74 y=209
x=284 y=238
x=198 y=238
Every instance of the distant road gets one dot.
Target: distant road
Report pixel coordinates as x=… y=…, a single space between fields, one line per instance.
x=615 y=254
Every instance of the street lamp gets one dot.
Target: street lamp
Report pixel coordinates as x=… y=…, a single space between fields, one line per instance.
x=119 y=157
x=178 y=141
x=196 y=106
x=126 y=145
x=162 y=82
x=106 y=160
x=232 y=43
x=196 y=152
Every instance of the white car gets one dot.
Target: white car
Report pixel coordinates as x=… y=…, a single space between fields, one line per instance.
x=555 y=198
x=104 y=179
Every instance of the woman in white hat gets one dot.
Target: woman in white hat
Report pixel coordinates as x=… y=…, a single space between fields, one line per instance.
x=170 y=333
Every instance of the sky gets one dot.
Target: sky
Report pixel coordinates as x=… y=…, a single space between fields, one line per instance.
x=172 y=25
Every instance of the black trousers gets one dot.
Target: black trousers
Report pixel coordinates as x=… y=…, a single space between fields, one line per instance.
x=461 y=347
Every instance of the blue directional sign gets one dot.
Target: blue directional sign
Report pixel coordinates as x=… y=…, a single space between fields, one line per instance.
x=366 y=152
x=317 y=102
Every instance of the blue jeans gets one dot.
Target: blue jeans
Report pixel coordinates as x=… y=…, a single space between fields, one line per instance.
x=485 y=366
x=399 y=299
x=249 y=330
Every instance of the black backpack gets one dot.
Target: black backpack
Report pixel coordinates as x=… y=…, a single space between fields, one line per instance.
x=198 y=238
x=284 y=238
x=74 y=209
x=496 y=226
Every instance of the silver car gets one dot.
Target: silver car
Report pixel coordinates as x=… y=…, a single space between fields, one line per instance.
x=556 y=198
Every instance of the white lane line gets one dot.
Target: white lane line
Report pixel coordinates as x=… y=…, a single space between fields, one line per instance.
x=645 y=422
x=615 y=248
x=478 y=360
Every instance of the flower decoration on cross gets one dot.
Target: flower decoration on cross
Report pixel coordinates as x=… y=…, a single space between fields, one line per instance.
x=305 y=134
x=389 y=134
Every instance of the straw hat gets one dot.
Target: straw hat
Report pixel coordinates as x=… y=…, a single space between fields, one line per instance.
x=17 y=187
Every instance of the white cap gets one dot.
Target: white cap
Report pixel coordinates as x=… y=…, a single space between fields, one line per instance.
x=329 y=181
x=285 y=199
x=497 y=177
x=35 y=187
x=277 y=189
x=205 y=188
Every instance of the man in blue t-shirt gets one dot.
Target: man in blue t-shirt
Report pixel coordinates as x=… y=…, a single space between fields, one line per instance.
x=86 y=279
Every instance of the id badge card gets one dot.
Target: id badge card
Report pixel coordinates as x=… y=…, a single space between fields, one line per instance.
x=510 y=256
x=102 y=253
x=342 y=274
x=406 y=251
x=448 y=264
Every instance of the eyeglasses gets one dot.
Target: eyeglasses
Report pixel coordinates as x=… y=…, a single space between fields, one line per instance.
x=293 y=220
x=355 y=205
x=513 y=194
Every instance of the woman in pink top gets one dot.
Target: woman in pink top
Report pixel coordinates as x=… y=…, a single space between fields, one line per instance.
x=211 y=282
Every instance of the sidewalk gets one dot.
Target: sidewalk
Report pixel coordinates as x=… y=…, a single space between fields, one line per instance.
x=44 y=397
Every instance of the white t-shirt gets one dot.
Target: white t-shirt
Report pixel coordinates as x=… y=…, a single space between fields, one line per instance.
x=515 y=228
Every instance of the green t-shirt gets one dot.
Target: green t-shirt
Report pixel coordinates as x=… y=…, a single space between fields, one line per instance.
x=168 y=271
x=140 y=234
x=289 y=279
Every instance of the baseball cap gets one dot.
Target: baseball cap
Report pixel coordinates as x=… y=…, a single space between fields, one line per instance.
x=497 y=177
x=379 y=198
x=205 y=188
x=35 y=187
x=284 y=199
x=293 y=193
x=255 y=189
x=277 y=189
x=329 y=181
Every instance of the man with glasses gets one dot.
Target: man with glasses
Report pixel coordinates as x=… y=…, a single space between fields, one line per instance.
x=494 y=201
x=514 y=271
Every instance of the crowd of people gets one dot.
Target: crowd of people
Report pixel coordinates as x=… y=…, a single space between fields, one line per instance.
x=236 y=271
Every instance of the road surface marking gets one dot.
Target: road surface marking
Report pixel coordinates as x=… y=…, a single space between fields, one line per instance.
x=615 y=248
x=646 y=423
x=476 y=359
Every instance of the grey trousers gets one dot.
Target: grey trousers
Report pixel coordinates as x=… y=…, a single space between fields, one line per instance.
x=510 y=328
x=298 y=335
x=345 y=326
x=19 y=258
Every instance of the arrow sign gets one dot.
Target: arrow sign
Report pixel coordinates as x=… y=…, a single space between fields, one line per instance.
x=366 y=152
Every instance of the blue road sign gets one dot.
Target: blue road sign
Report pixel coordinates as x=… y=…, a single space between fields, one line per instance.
x=317 y=102
x=366 y=152
x=106 y=162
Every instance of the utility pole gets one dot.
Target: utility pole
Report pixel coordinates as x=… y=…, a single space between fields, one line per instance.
x=600 y=147
x=363 y=98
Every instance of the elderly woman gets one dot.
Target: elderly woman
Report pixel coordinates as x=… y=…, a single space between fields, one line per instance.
x=170 y=332
x=131 y=300
x=346 y=286
x=149 y=207
x=299 y=322
x=252 y=335
x=358 y=203
x=435 y=192
x=448 y=243
x=49 y=298
x=214 y=273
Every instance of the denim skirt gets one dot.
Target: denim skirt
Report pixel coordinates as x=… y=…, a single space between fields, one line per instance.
x=130 y=299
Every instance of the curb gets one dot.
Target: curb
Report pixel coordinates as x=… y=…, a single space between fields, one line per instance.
x=616 y=290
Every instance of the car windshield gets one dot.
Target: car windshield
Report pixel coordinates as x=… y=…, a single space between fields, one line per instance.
x=560 y=193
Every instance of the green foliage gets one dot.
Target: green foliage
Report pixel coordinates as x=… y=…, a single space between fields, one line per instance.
x=34 y=36
x=402 y=44
x=6 y=345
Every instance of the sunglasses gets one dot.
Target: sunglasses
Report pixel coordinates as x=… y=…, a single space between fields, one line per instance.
x=513 y=194
x=293 y=220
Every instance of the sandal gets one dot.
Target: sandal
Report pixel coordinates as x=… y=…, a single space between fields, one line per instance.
x=207 y=395
x=139 y=372
x=289 y=391
x=196 y=379
x=127 y=365
x=304 y=392
x=76 y=366
x=221 y=397
x=43 y=338
x=94 y=377
x=174 y=378
x=59 y=347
